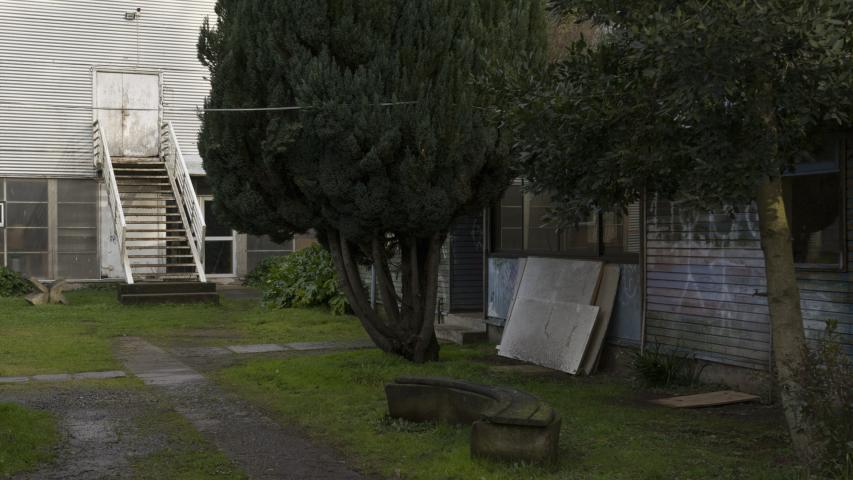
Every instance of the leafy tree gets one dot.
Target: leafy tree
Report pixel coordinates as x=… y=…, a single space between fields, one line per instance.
x=369 y=178
x=705 y=101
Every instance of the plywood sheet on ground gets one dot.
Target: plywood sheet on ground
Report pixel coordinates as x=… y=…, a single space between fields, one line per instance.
x=711 y=399
x=604 y=299
x=552 y=334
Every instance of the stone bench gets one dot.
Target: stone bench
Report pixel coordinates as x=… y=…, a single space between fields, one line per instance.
x=505 y=423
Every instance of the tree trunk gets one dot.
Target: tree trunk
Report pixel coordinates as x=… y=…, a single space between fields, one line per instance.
x=786 y=321
x=404 y=326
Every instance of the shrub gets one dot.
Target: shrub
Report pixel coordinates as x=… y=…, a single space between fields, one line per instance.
x=659 y=368
x=259 y=274
x=305 y=278
x=826 y=376
x=12 y=284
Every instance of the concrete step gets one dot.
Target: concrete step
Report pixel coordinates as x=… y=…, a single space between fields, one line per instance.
x=459 y=335
x=166 y=287
x=160 y=298
x=470 y=320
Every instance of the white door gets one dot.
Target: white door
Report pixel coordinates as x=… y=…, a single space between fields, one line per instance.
x=128 y=107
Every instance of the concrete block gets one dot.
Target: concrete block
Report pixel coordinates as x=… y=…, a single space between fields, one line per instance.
x=515 y=443
x=259 y=348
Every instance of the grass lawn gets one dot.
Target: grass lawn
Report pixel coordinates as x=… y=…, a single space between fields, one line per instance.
x=77 y=337
x=607 y=431
x=26 y=438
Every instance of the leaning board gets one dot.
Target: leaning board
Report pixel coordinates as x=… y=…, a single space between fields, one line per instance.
x=551 y=334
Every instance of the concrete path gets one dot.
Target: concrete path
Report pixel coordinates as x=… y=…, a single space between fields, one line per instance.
x=64 y=377
x=270 y=348
x=262 y=447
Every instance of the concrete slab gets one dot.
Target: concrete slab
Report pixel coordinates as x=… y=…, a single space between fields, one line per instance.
x=99 y=375
x=552 y=334
x=259 y=348
x=201 y=351
x=556 y=279
x=54 y=377
x=14 y=379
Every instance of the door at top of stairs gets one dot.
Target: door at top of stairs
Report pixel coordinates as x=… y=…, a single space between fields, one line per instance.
x=128 y=108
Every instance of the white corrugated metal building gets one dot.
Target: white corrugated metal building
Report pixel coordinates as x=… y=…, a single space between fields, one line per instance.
x=54 y=215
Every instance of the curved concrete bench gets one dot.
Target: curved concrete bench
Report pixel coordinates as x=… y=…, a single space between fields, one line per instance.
x=506 y=423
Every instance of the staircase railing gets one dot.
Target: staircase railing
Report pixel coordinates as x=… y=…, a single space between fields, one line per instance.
x=185 y=197
x=104 y=163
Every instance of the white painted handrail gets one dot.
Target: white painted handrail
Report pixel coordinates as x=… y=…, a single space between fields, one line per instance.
x=185 y=197
x=104 y=162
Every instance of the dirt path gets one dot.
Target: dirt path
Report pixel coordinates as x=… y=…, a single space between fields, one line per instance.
x=260 y=446
x=99 y=429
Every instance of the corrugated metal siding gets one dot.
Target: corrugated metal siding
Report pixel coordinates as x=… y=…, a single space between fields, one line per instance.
x=466 y=264
x=49 y=48
x=705 y=282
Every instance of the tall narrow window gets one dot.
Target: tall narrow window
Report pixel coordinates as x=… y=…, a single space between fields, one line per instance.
x=814 y=202
x=77 y=229
x=218 y=243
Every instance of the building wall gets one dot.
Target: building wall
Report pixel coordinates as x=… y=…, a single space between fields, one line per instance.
x=49 y=50
x=706 y=287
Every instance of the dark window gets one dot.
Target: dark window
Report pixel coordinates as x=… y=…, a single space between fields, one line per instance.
x=218 y=257
x=522 y=224
x=814 y=201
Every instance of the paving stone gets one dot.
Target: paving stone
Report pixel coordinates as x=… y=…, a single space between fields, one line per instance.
x=333 y=345
x=99 y=375
x=201 y=351
x=53 y=377
x=259 y=348
x=14 y=379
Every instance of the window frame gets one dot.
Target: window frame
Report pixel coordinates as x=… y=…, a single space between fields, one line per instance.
x=841 y=267
x=600 y=254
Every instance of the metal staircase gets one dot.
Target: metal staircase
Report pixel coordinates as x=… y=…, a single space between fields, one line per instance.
x=158 y=221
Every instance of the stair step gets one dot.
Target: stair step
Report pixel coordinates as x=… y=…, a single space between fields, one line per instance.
x=142 y=177
x=158 y=247
x=153 y=222
x=158 y=239
x=459 y=335
x=161 y=265
x=160 y=298
x=159 y=256
x=155 y=230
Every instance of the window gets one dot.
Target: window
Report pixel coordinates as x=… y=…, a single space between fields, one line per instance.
x=27 y=227
x=77 y=229
x=261 y=247
x=521 y=225
x=814 y=201
x=218 y=243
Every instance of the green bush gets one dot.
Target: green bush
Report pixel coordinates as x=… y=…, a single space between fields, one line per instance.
x=826 y=376
x=12 y=284
x=660 y=368
x=305 y=278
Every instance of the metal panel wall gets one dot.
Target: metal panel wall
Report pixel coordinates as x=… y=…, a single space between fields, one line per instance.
x=49 y=49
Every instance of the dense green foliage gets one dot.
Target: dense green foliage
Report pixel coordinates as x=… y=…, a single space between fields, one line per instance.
x=12 y=283
x=690 y=98
x=26 y=438
x=390 y=142
x=827 y=379
x=661 y=368
x=305 y=278
x=343 y=162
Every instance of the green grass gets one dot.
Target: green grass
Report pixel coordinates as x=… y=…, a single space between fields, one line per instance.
x=607 y=432
x=77 y=337
x=185 y=453
x=26 y=438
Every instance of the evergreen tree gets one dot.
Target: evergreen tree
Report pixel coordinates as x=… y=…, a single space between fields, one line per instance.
x=391 y=143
